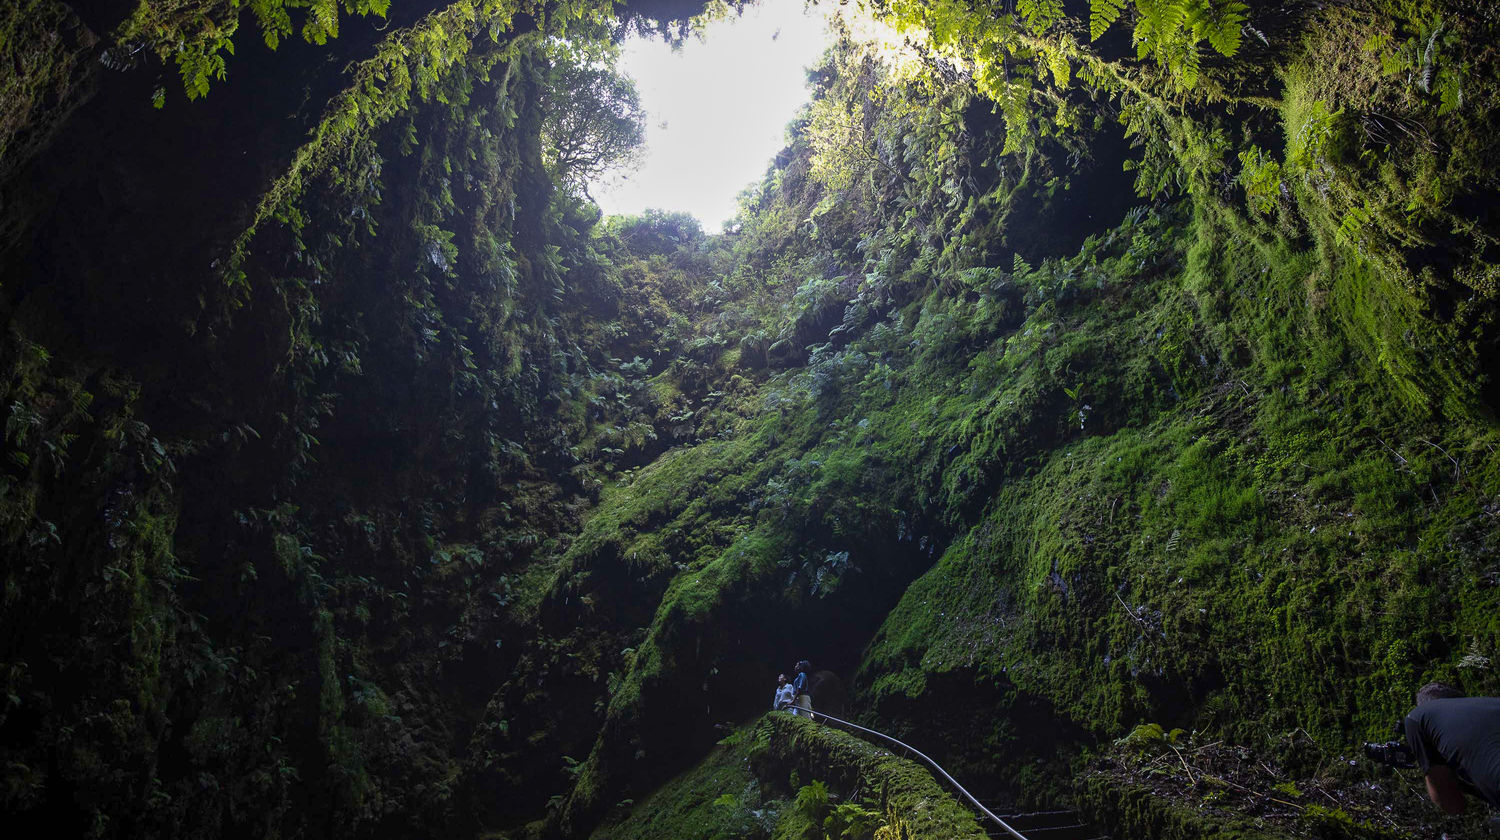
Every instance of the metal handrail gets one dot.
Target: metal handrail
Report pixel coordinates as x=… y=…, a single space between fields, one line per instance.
x=979 y=806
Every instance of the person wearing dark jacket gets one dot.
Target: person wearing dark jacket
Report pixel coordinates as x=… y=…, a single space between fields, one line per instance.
x=803 y=704
x=1456 y=741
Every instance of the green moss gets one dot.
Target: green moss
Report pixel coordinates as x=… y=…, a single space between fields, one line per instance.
x=718 y=798
x=1268 y=507
x=748 y=786
x=907 y=792
x=1226 y=467
x=1141 y=812
x=43 y=45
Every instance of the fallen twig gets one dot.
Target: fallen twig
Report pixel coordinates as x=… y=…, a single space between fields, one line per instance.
x=1128 y=610
x=1191 y=779
x=1457 y=470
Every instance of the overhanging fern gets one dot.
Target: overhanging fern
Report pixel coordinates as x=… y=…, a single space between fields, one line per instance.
x=1222 y=26
x=1171 y=30
x=1103 y=13
x=1040 y=14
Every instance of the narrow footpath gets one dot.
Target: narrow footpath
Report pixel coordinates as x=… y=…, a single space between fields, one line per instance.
x=1064 y=824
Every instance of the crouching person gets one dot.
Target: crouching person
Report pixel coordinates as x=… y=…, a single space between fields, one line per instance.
x=1455 y=740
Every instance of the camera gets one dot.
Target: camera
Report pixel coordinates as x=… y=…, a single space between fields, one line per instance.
x=1394 y=753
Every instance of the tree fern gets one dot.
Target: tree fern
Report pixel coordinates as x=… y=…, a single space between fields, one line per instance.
x=1102 y=13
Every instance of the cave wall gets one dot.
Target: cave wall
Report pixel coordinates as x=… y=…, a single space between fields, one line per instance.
x=297 y=372
x=1222 y=461
x=360 y=481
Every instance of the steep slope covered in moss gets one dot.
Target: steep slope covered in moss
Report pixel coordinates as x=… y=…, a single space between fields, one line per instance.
x=298 y=379
x=362 y=481
x=1223 y=461
x=750 y=785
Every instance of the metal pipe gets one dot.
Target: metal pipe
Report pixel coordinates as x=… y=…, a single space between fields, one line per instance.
x=979 y=806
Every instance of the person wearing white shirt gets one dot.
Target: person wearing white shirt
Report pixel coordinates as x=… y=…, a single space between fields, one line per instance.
x=785 y=694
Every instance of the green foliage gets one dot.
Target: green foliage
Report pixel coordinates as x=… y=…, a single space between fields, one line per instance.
x=592 y=122
x=1419 y=61
x=1097 y=429
x=1221 y=24
x=1160 y=465
x=809 y=808
x=423 y=387
x=197 y=35
x=854 y=821
x=1260 y=176
x=1366 y=144
x=1142 y=810
x=1314 y=148
x=749 y=772
x=1102 y=14
x=1149 y=736
x=413 y=67
x=1204 y=496
x=720 y=799
x=902 y=801
x=814 y=815
x=1170 y=31
x=43 y=47
x=656 y=232
x=1040 y=15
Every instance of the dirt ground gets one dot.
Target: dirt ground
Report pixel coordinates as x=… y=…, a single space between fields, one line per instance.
x=1343 y=796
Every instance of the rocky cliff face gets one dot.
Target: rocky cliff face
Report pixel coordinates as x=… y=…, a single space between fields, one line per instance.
x=360 y=480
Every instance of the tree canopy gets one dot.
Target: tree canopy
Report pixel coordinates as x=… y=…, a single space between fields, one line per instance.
x=592 y=119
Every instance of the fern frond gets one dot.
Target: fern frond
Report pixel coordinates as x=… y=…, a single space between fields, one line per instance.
x=1352 y=225
x=1224 y=25
x=1427 y=60
x=275 y=22
x=1015 y=100
x=1171 y=14
x=322 y=22
x=1145 y=36
x=1057 y=62
x=1188 y=65
x=1377 y=42
x=1450 y=92
x=1158 y=25
x=1040 y=14
x=1102 y=13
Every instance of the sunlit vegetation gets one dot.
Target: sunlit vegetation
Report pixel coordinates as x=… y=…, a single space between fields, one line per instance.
x=592 y=120
x=1093 y=386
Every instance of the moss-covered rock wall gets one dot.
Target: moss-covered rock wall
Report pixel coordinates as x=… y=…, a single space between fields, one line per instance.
x=751 y=784
x=297 y=377
x=1060 y=376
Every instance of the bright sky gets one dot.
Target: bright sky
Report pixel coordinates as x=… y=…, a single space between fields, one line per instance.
x=716 y=109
